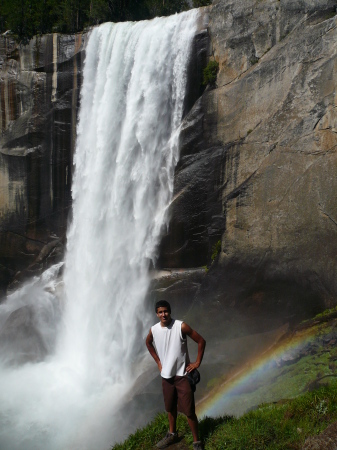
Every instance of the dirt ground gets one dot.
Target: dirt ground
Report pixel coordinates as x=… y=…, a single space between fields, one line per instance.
x=181 y=445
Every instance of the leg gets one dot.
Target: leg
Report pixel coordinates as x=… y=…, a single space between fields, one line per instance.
x=193 y=423
x=186 y=404
x=170 y=400
x=172 y=417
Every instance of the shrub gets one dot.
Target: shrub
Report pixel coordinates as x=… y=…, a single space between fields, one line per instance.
x=216 y=250
x=210 y=72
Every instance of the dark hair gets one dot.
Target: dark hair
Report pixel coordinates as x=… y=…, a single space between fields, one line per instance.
x=163 y=304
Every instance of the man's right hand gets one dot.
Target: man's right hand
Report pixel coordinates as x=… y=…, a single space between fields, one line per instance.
x=152 y=351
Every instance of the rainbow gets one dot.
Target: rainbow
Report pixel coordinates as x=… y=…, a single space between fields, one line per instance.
x=218 y=401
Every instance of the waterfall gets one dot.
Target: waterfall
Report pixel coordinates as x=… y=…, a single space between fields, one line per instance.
x=93 y=322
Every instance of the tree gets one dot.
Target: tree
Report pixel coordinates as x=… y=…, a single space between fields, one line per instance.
x=165 y=7
x=26 y=18
x=199 y=3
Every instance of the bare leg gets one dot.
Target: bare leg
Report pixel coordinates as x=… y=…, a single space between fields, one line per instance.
x=193 y=423
x=172 y=417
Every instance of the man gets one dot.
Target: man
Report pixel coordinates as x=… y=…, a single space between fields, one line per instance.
x=167 y=344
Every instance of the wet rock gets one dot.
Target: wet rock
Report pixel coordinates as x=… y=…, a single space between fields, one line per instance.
x=39 y=90
x=51 y=253
x=20 y=341
x=179 y=288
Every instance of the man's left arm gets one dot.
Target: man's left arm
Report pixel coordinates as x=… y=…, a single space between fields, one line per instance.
x=196 y=337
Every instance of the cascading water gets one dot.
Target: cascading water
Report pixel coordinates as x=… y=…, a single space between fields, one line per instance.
x=131 y=107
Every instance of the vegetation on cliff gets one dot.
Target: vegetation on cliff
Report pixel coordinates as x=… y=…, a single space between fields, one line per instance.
x=210 y=72
x=26 y=18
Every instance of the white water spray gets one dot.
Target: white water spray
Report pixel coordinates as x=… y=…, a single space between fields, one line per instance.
x=131 y=107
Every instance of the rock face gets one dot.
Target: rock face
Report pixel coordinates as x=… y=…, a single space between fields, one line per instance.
x=258 y=160
x=258 y=163
x=39 y=88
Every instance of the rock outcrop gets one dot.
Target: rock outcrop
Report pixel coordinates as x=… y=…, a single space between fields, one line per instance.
x=258 y=161
x=39 y=88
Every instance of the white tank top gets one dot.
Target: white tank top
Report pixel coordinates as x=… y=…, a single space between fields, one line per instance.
x=171 y=348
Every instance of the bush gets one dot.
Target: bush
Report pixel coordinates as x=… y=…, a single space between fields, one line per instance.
x=210 y=72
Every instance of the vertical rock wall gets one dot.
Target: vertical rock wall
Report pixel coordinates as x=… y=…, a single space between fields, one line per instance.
x=258 y=167
x=39 y=89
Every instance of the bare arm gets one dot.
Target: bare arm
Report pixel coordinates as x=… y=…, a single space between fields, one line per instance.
x=196 y=337
x=151 y=349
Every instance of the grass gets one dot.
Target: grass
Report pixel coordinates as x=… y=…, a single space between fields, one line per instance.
x=215 y=252
x=309 y=384
x=326 y=314
x=145 y=438
x=284 y=425
x=294 y=378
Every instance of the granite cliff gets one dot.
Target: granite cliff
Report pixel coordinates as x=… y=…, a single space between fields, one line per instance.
x=258 y=162
x=257 y=171
x=39 y=87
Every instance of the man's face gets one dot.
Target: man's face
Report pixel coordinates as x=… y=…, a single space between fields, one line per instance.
x=164 y=316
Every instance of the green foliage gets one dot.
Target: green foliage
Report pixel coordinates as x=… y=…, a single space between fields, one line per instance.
x=278 y=426
x=72 y=15
x=326 y=313
x=206 y=268
x=216 y=250
x=210 y=72
x=99 y=11
x=322 y=316
x=165 y=7
x=26 y=18
x=254 y=60
x=199 y=3
x=145 y=438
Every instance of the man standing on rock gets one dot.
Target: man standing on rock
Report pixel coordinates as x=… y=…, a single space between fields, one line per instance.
x=167 y=344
